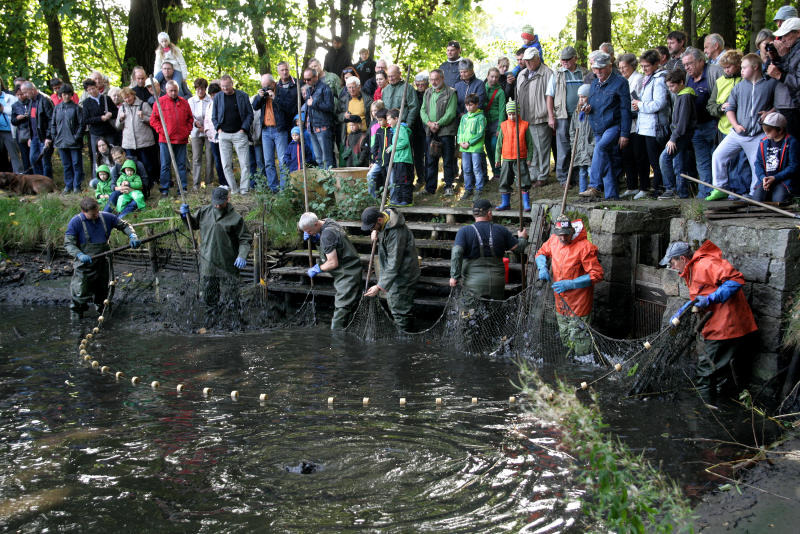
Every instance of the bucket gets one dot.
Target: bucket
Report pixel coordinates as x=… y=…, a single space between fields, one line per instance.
x=506 y=261
x=350 y=176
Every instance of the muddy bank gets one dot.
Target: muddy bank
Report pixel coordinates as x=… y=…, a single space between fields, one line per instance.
x=769 y=500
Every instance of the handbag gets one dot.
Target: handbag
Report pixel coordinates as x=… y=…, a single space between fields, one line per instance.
x=435 y=148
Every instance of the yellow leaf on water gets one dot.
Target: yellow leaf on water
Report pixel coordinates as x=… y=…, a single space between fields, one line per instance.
x=263 y=282
x=11 y=213
x=128 y=274
x=46 y=271
x=15 y=223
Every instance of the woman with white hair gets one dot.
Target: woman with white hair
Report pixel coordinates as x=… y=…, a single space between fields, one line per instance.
x=354 y=107
x=167 y=51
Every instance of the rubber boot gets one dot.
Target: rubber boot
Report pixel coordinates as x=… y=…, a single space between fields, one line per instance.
x=505 y=202
x=526 y=201
x=716 y=194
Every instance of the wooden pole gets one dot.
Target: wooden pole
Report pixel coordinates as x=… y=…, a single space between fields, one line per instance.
x=519 y=187
x=569 y=173
x=303 y=155
x=395 y=135
x=741 y=197
x=157 y=92
x=126 y=247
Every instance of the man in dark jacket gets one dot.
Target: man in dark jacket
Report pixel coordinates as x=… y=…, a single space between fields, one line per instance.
x=40 y=110
x=398 y=259
x=319 y=108
x=371 y=85
x=365 y=66
x=337 y=57
x=232 y=116
x=450 y=67
x=469 y=84
x=66 y=134
x=277 y=105
x=20 y=113
x=99 y=112
x=224 y=245
x=785 y=68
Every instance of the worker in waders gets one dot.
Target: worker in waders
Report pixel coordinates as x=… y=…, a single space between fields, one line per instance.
x=715 y=286
x=224 y=245
x=340 y=259
x=575 y=271
x=398 y=261
x=86 y=236
x=476 y=261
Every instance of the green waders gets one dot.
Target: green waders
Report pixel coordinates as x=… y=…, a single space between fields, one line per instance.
x=90 y=279
x=346 y=280
x=485 y=276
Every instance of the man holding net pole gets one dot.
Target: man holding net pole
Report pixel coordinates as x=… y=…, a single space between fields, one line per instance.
x=714 y=285
x=224 y=245
x=575 y=270
x=338 y=257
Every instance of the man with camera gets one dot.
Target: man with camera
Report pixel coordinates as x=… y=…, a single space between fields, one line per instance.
x=277 y=105
x=785 y=67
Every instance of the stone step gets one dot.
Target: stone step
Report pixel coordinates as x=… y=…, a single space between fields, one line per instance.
x=426 y=262
x=328 y=291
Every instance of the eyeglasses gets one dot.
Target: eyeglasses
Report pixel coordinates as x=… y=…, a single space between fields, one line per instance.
x=307 y=79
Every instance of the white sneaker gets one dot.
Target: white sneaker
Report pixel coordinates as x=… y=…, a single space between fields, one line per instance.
x=640 y=195
x=630 y=193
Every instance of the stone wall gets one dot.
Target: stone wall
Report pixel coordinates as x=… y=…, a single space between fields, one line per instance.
x=767 y=252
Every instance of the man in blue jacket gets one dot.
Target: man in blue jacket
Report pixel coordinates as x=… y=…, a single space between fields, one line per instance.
x=319 y=109
x=232 y=117
x=609 y=111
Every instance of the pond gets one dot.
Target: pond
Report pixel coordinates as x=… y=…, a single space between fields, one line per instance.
x=84 y=451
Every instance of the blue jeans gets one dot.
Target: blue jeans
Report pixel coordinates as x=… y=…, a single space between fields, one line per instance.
x=111 y=205
x=604 y=162
x=472 y=165
x=180 y=160
x=672 y=165
x=43 y=166
x=273 y=144
x=72 y=160
x=704 y=141
x=322 y=145
x=583 y=177
x=256 y=162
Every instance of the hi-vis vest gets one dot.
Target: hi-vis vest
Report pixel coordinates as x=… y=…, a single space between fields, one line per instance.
x=509 y=145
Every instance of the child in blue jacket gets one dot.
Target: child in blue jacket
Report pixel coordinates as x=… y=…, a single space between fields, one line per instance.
x=776 y=162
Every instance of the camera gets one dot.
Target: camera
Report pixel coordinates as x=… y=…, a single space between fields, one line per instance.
x=772 y=51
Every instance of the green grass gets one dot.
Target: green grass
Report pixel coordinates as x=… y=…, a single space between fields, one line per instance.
x=35 y=225
x=624 y=492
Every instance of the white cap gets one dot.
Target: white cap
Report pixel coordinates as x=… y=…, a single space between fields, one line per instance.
x=530 y=53
x=789 y=25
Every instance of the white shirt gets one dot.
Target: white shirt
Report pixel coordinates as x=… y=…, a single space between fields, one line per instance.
x=199 y=110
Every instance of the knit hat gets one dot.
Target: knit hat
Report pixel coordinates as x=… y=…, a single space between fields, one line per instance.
x=219 y=196
x=600 y=59
x=584 y=90
x=785 y=12
x=103 y=168
x=775 y=119
x=527 y=33
x=511 y=107
x=296 y=130
x=530 y=53
x=129 y=164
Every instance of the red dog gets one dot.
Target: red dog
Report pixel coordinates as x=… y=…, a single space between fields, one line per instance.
x=26 y=184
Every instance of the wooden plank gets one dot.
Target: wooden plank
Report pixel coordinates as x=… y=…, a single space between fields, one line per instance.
x=443 y=210
x=277 y=287
x=426 y=262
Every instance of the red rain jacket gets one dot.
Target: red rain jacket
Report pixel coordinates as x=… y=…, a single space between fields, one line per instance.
x=570 y=261
x=179 y=119
x=704 y=273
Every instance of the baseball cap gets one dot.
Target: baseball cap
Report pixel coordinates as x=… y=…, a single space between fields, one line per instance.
x=563 y=226
x=785 y=12
x=219 y=195
x=789 y=25
x=481 y=207
x=369 y=217
x=530 y=53
x=675 y=249
x=775 y=119
x=568 y=52
x=600 y=59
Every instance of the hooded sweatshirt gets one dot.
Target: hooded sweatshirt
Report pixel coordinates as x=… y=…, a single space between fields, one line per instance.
x=684 y=115
x=747 y=99
x=471 y=130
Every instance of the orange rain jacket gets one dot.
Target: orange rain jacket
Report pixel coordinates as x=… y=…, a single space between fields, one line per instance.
x=570 y=261
x=704 y=273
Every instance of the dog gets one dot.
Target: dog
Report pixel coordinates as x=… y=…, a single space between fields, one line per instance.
x=26 y=184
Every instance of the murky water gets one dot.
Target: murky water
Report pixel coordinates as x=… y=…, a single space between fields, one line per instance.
x=82 y=451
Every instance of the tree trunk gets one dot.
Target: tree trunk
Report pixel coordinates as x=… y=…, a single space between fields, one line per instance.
x=582 y=30
x=260 y=40
x=757 y=20
x=373 y=28
x=689 y=23
x=55 y=54
x=601 y=22
x=311 y=32
x=146 y=19
x=723 y=20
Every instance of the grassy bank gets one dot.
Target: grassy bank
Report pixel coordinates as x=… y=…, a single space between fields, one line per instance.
x=624 y=492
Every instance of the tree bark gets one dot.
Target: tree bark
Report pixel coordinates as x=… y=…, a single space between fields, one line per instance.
x=582 y=30
x=145 y=20
x=55 y=54
x=601 y=22
x=758 y=17
x=689 y=23
x=311 y=31
x=260 y=40
x=373 y=28
x=723 y=20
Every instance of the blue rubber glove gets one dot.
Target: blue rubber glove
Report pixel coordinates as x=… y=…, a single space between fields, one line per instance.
x=702 y=302
x=681 y=310
x=314 y=238
x=725 y=291
x=84 y=258
x=184 y=210
x=135 y=243
x=240 y=263
x=568 y=285
x=314 y=271
x=541 y=263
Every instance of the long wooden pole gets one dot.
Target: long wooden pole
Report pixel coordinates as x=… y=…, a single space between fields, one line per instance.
x=569 y=173
x=395 y=136
x=741 y=197
x=157 y=91
x=303 y=155
x=126 y=247
x=519 y=187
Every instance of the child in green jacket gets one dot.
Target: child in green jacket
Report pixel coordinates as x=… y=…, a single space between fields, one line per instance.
x=103 y=190
x=470 y=139
x=129 y=189
x=403 y=166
